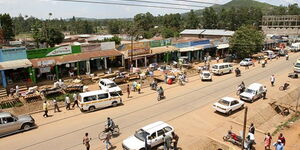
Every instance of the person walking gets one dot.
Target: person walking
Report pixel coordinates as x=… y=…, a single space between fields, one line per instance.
x=138 y=87
x=217 y=58
x=279 y=145
x=265 y=92
x=106 y=140
x=167 y=141
x=75 y=97
x=251 y=139
x=45 y=108
x=252 y=128
x=175 y=140
x=56 y=108
x=268 y=139
x=134 y=83
x=281 y=138
x=68 y=102
x=272 y=79
x=128 y=90
x=86 y=141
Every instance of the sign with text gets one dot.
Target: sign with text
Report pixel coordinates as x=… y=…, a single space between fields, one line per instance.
x=60 y=51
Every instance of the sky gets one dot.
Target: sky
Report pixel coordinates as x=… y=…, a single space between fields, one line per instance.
x=42 y=8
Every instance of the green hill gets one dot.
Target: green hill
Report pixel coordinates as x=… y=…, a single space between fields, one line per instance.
x=243 y=3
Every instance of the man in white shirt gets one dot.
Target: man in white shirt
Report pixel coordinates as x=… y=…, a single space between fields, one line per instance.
x=68 y=102
x=272 y=79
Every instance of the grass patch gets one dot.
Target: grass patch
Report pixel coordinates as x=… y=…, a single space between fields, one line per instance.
x=60 y=97
x=286 y=124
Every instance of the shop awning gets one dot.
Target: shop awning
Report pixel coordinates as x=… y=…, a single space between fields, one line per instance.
x=164 y=49
x=15 y=64
x=222 y=46
x=187 y=49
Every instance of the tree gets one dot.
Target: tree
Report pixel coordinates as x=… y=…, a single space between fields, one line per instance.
x=210 y=18
x=50 y=36
x=293 y=9
x=246 y=41
x=115 y=39
x=54 y=37
x=6 y=24
x=192 y=21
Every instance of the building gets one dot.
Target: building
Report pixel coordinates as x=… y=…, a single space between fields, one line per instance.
x=206 y=33
x=281 y=25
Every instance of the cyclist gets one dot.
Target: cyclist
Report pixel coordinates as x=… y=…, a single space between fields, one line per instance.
x=110 y=125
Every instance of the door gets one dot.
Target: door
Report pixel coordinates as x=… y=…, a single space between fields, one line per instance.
x=8 y=124
x=104 y=100
x=153 y=140
x=234 y=105
x=160 y=138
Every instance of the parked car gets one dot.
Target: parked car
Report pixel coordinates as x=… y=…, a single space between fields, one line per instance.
x=270 y=54
x=222 y=68
x=297 y=66
x=246 y=62
x=154 y=134
x=228 y=104
x=111 y=86
x=206 y=75
x=12 y=124
x=153 y=66
x=253 y=92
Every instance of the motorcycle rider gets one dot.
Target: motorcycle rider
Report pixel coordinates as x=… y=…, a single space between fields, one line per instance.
x=237 y=72
x=241 y=87
x=285 y=86
x=160 y=92
x=110 y=125
x=153 y=85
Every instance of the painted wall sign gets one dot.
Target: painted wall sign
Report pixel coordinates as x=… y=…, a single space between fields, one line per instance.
x=60 y=51
x=91 y=47
x=46 y=52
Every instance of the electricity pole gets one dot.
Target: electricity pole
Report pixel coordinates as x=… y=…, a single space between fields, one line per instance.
x=244 y=127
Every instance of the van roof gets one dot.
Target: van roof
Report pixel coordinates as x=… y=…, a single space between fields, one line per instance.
x=222 y=64
x=254 y=86
x=92 y=93
x=154 y=126
x=107 y=81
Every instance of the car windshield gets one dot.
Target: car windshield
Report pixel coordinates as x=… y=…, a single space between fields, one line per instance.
x=246 y=59
x=140 y=134
x=223 y=102
x=206 y=74
x=250 y=91
x=215 y=67
x=110 y=85
x=297 y=65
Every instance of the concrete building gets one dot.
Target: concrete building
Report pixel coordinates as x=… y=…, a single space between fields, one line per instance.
x=281 y=25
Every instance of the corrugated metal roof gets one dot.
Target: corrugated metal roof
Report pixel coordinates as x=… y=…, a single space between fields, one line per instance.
x=158 y=50
x=15 y=64
x=192 y=31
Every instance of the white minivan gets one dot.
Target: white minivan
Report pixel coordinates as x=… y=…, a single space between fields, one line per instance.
x=222 y=68
x=98 y=99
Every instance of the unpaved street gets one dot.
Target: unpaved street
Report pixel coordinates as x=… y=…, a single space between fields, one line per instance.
x=65 y=130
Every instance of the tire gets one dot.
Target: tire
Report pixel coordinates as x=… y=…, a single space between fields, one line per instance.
x=230 y=112
x=92 y=108
x=101 y=135
x=116 y=130
x=221 y=73
x=26 y=126
x=242 y=107
x=252 y=100
x=281 y=88
x=225 y=138
x=114 y=104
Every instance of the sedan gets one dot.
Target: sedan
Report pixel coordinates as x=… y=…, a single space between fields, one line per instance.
x=206 y=75
x=246 y=62
x=227 y=105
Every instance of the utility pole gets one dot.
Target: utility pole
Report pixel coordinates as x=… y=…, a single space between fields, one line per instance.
x=297 y=104
x=131 y=52
x=244 y=128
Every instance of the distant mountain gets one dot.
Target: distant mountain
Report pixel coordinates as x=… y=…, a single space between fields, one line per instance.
x=242 y=3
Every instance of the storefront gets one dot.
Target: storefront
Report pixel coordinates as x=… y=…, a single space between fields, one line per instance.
x=14 y=66
x=164 y=54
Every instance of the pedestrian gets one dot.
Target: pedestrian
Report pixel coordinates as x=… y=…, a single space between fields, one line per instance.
x=217 y=58
x=17 y=90
x=138 y=87
x=68 y=102
x=253 y=62
x=281 y=138
x=205 y=60
x=56 y=108
x=166 y=78
x=272 y=79
x=86 y=141
x=75 y=97
x=45 y=108
x=106 y=139
x=265 y=92
x=279 y=145
x=167 y=141
x=134 y=83
x=268 y=139
x=175 y=140
x=251 y=139
x=287 y=57
x=128 y=91
x=252 y=128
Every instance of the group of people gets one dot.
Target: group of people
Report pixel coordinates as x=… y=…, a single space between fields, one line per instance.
x=170 y=141
x=56 y=107
x=279 y=144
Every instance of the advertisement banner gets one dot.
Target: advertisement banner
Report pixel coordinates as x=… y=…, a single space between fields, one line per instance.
x=13 y=54
x=60 y=51
x=55 y=51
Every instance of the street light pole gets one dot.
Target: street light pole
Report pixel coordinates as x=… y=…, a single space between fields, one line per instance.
x=244 y=127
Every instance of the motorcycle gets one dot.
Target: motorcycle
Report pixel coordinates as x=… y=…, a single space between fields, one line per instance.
x=240 y=90
x=284 y=87
x=237 y=72
x=160 y=95
x=233 y=138
x=153 y=86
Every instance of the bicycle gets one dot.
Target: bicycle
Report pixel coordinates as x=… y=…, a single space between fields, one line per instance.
x=116 y=131
x=284 y=87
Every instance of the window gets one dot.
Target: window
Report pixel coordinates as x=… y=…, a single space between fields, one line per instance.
x=221 y=67
x=90 y=98
x=114 y=94
x=102 y=96
x=153 y=136
x=230 y=65
x=160 y=132
x=234 y=103
x=167 y=129
x=8 y=120
x=101 y=82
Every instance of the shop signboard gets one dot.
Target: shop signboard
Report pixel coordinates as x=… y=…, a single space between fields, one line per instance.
x=46 y=63
x=91 y=47
x=159 y=43
x=55 y=51
x=12 y=54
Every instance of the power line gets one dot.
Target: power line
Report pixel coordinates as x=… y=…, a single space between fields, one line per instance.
x=165 y=3
x=199 y=2
x=115 y=3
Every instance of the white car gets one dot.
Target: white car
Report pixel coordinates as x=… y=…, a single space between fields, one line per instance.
x=110 y=86
x=227 y=105
x=206 y=75
x=253 y=92
x=154 y=134
x=246 y=62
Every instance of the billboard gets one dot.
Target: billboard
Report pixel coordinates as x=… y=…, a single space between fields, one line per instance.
x=54 y=51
